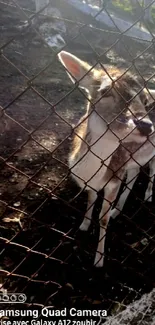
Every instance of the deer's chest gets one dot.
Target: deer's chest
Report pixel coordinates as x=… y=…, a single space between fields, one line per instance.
x=88 y=169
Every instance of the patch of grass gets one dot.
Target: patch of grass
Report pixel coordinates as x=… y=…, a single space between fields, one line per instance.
x=153 y=13
x=125 y=10
x=122 y=9
x=123 y=5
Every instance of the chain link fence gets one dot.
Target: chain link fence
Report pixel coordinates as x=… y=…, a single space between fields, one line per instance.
x=43 y=253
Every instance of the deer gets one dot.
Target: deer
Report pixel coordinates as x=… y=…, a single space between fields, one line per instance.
x=144 y=156
x=115 y=120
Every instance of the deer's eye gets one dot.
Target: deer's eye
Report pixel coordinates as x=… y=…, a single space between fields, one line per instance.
x=123 y=119
x=105 y=92
x=145 y=101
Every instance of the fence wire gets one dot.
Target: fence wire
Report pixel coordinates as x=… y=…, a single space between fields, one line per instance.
x=43 y=253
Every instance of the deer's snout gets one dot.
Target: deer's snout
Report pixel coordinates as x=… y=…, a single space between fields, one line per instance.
x=144 y=126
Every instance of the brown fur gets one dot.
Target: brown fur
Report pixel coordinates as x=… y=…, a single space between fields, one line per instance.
x=122 y=87
x=115 y=104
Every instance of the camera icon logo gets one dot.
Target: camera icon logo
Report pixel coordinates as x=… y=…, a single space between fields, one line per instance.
x=14 y=298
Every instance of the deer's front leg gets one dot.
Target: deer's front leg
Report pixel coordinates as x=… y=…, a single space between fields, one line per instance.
x=132 y=175
x=92 y=196
x=149 y=191
x=110 y=193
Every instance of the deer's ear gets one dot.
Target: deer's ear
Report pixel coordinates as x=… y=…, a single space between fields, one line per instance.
x=77 y=69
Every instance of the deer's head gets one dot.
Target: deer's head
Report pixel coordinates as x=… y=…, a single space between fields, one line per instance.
x=116 y=99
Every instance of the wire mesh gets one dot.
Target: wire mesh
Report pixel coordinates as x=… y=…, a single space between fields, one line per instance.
x=41 y=207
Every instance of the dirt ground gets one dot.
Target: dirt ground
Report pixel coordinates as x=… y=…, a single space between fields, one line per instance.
x=42 y=250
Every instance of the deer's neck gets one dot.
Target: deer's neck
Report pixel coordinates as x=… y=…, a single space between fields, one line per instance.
x=99 y=131
x=94 y=137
